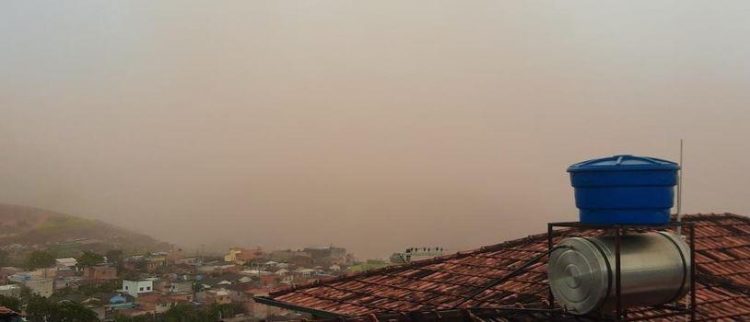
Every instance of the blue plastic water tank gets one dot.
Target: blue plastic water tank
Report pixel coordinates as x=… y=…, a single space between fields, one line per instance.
x=624 y=189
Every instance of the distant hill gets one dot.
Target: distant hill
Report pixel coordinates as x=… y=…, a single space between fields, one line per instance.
x=30 y=227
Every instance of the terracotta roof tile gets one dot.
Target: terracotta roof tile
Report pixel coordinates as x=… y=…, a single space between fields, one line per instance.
x=6 y=312
x=722 y=254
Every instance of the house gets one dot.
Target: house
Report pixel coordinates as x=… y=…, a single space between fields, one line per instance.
x=8 y=271
x=181 y=287
x=224 y=269
x=269 y=280
x=501 y=283
x=241 y=256
x=270 y=264
x=328 y=255
x=156 y=261
x=305 y=272
x=42 y=286
x=413 y=254
x=302 y=259
x=287 y=256
x=287 y=280
x=135 y=288
x=41 y=282
x=120 y=302
x=188 y=261
x=100 y=273
x=66 y=263
x=157 y=303
x=134 y=263
x=20 y=277
x=215 y=296
x=67 y=282
x=282 y=265
x=10 y=290
x=282 y=272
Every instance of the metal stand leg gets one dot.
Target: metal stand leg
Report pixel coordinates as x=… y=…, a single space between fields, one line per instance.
x=618 y=282
x=550 y=296
x=693 y=305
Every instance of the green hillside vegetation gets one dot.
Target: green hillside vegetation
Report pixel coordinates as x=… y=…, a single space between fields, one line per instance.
x=66 y=235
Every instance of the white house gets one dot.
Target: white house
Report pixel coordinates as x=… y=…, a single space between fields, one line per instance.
x=134 y=288
x=305 y=272
x=282 y=272
x=10 y=290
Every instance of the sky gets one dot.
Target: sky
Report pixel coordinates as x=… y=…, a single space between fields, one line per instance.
x=373 y=125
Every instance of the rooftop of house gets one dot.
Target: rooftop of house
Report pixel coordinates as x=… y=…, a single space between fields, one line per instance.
x=67 y=261
x=498 y=277
x=6 y=312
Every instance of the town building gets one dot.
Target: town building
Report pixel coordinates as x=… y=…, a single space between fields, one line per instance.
x=241 y=256
x=181 y=287
x=413 y=254
x=61 y=282
x=330 y=255
x=8 y=271
x=119 y=304
x=66 y=263
x=156 y=261
x=42 y=286
x=100 y=273
x=138 y=287
x=155 y=303
x=10 y=290
x=215 y=296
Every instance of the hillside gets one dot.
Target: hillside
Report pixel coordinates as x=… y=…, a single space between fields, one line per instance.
x=30 y=227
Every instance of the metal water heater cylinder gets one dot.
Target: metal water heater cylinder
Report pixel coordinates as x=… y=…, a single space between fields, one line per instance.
x=654 y=266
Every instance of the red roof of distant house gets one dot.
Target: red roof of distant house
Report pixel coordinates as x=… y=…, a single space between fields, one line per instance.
x=6 y=312
x=459 y=280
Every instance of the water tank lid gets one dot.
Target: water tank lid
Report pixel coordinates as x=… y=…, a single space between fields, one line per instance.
x=623 y=162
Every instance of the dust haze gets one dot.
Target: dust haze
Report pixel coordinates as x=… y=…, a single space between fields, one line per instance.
x=374 y=125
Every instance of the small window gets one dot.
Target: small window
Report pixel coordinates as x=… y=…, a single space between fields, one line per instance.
x=141 y=289
x=148 y=288
x=126 y=287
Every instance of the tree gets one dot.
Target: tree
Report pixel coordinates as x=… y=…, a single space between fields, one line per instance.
x=38 y=309
x=116 y=257
x=4 y=258
x=89 y=259
x=41 y=309
x=140 y=318
x=11 y=303
x=75 y=312
x=39 y=259
x=225 y=310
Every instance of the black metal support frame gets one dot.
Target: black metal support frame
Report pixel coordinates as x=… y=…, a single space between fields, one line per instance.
x=618 y=231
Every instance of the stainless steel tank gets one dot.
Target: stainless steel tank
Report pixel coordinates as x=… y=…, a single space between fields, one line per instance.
x=655 y=270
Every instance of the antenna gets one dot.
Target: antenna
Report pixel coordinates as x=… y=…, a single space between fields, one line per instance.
x=679 y=189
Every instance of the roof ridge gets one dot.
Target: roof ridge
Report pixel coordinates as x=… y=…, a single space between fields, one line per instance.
x=461 y=254
x=416 y=264
x=714 y=215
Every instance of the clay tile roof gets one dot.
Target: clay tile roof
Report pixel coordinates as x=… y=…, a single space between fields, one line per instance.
x=6 y=312
x=497 y=277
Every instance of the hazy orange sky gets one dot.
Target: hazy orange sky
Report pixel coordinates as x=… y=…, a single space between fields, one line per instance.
x=375 y=125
